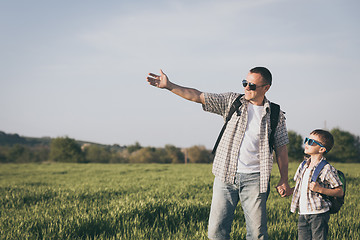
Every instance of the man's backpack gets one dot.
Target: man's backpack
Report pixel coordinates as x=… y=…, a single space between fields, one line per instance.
x=336 y=202
x=274 y=118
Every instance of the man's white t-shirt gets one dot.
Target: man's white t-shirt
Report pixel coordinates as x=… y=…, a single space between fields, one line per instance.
x=249 y=161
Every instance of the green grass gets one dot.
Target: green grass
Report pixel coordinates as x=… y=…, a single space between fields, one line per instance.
x=145 y=201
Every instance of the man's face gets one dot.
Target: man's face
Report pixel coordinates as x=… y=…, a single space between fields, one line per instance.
x=256 y=96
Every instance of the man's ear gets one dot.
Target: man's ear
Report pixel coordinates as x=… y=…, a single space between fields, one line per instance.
x=267 y=87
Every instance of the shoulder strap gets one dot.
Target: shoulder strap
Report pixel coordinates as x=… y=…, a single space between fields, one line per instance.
x=274 y=119
x=318 y=170
x=236 y=104
x=342 y=178
x=303 y=164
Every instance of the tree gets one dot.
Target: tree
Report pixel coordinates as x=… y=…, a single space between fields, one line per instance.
x=3 y=158
x=173 y=154
x=199 y=154
x=144 y=155
x=295 y=149
x=64 y=149
x=346 y=147
x=97 y=154
x=20 y=154
x=134 y=148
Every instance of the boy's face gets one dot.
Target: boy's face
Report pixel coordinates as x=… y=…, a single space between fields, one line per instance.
x=315 y=148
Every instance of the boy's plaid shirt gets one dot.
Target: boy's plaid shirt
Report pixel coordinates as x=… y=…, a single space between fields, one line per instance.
x=328 y=178
x=226 y=157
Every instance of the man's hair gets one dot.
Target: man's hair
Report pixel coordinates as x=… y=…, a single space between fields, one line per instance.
x=264 y=72
x=326 y=138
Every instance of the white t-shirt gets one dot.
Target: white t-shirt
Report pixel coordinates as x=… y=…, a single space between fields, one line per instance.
x=249 y=161
x=304 y=188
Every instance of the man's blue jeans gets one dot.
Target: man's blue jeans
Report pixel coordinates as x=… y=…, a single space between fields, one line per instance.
x=224 y=201
x=313 y=226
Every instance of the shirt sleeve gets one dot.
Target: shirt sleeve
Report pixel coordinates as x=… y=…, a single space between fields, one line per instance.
x=297 y=173
x=219 y=103
x=281 y=135
x=330 y=176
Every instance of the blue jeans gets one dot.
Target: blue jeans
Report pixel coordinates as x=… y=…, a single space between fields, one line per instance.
x=313 y=226
x=224 y=201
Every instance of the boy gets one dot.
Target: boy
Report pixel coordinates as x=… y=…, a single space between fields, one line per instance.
x=308 y=196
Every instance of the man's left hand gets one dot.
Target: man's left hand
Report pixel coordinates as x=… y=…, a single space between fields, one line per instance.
x=283 y=188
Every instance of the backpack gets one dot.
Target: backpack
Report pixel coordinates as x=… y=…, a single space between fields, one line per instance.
x=274 y=118
x=335 y=202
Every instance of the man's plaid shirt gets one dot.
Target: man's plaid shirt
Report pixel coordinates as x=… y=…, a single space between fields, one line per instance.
x=328 y=178
x=226 y=157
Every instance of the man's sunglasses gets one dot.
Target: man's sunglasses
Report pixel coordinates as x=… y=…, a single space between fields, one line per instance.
x=311 y=142
x=252 y=86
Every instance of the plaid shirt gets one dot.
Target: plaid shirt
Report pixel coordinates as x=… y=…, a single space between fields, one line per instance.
x=227 y=153
x=328 y=178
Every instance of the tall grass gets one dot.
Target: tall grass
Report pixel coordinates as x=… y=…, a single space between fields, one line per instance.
x=149 y=201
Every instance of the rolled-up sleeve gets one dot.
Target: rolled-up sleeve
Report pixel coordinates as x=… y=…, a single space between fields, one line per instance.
x=219 y=103
x=330 y=177
x=281 y=134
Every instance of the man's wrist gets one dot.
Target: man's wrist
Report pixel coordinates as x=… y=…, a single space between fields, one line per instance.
x=284 y=179
x=170 y=86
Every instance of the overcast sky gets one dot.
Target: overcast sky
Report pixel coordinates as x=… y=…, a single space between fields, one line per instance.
x=78 y=68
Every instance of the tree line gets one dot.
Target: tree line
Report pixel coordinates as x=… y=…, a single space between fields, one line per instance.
x=65 y=149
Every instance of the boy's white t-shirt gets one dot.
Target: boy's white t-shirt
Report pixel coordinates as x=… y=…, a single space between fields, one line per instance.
x=249 y=161
x=304 y=188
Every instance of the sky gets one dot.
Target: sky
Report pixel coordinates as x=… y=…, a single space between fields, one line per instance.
x=79 y=68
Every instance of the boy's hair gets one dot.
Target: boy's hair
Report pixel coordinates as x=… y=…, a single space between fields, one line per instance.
x=326 y=138
x=264 y=72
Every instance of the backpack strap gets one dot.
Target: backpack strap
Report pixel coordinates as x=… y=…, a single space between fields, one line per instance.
x=342 y=178
x=318 y=169
x=236 y=104
x=303 y=164
x=274 y=119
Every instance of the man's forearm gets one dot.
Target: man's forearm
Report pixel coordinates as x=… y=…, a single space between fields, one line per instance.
x=187 y=93
x=283 y=162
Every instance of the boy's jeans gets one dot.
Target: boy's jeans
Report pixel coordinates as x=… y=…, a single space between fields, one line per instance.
x=313 y=226
x=224 y=201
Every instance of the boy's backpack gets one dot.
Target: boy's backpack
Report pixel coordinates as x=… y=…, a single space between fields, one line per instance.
x=336 y=202
x=274 y=118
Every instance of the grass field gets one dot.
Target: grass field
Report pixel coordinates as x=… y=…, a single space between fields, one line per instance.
x=146 y=201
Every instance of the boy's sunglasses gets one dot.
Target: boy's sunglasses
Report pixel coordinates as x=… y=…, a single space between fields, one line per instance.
x=252 y=86
x=311 y=142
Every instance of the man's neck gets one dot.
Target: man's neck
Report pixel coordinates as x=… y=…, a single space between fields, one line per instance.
x=258 y=102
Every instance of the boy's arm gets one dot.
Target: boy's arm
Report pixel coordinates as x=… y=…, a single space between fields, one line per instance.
x=333 y=192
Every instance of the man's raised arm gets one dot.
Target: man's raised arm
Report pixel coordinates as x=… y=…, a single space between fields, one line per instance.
x=162 y=81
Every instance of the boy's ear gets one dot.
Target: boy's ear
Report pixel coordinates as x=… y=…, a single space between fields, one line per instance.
x=322 y=150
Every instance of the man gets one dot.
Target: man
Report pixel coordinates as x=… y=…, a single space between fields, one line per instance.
x=243 y=159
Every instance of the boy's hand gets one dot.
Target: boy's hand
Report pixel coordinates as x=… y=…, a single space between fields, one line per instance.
x=283 y=188
x=280 y=190
x=315 y=187
x=290 y=192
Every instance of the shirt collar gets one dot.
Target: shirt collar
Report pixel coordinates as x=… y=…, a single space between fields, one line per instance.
x=308 y=160
x=266 y=102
